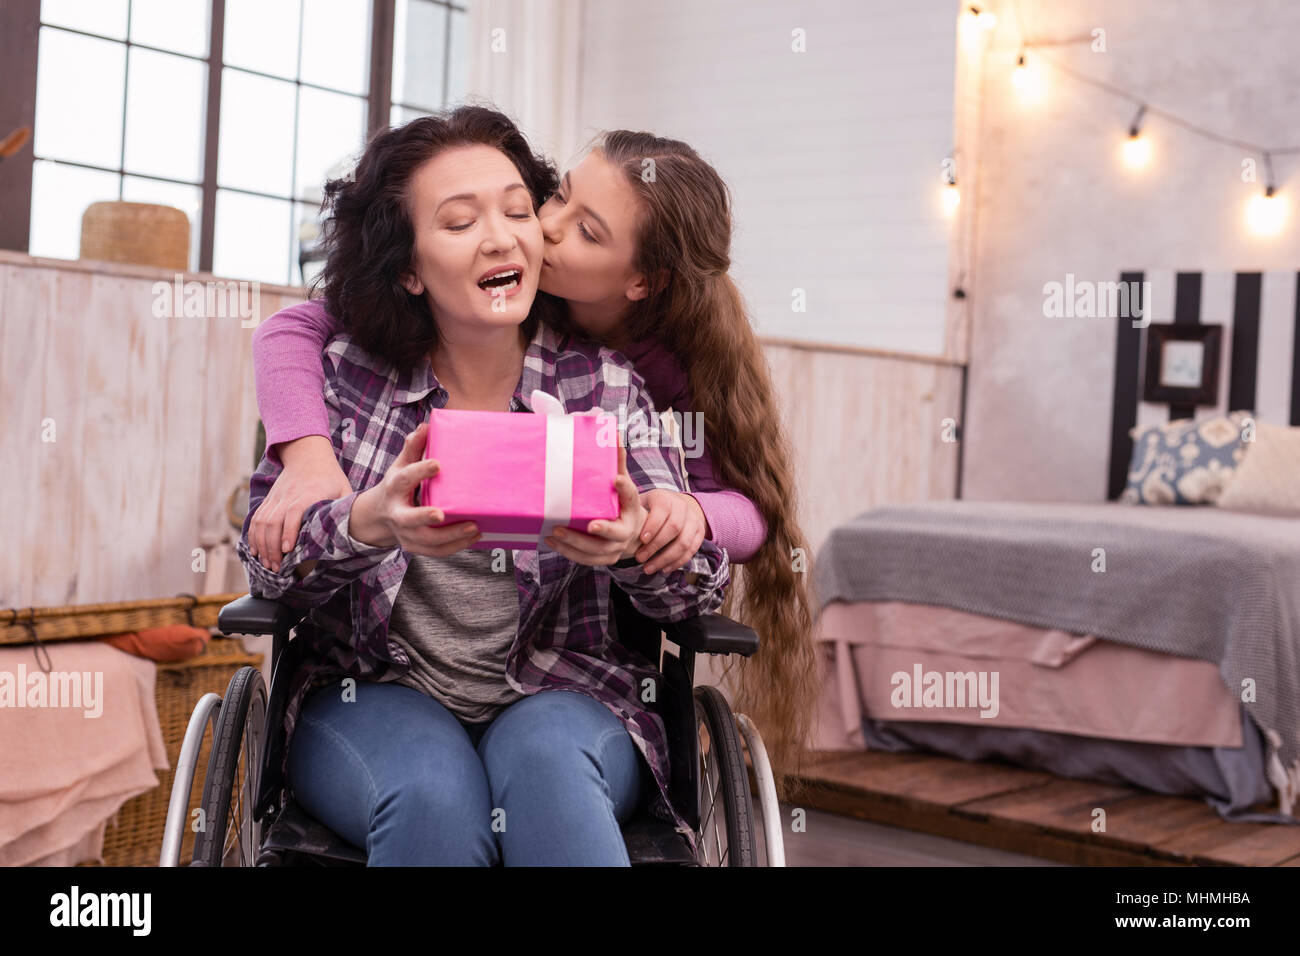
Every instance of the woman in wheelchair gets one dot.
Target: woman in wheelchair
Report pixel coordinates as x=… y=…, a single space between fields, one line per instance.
x=635 y=206
x=450 y=705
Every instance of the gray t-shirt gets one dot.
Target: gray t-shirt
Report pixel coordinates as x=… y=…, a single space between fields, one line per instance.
x=456 y=618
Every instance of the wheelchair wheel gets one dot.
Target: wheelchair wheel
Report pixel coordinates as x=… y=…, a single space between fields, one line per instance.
x=726 y=836
x=230 y=836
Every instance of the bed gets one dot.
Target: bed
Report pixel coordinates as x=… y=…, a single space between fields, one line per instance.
x=1135 y=644
x=1152 y=646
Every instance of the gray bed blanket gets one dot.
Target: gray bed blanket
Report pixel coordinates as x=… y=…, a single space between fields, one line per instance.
x=1195 y=582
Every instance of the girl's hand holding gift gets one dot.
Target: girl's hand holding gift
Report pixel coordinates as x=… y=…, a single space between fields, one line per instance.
x=311 y=474
x=674 y=529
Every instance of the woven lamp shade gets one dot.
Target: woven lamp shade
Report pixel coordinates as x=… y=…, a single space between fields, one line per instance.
x=136 y=232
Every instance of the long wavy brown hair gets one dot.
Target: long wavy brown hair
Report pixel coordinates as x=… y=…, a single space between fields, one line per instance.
x=696 y=312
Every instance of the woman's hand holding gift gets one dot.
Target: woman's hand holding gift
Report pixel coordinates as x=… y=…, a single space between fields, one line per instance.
x=383 y=515
x=609 y=541
x=674 y=529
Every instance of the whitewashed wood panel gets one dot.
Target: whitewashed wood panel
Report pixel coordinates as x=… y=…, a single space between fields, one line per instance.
x=865 y=431
x=156 y=424
x=23 y=335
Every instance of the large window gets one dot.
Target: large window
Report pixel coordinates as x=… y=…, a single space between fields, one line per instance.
x=124 y=111
x=421 y=82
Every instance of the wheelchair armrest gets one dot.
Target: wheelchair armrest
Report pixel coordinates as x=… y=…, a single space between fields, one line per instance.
x=712 y=634
x=251 y=615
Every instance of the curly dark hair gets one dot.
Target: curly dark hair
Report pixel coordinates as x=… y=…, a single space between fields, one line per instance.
x=369 y=241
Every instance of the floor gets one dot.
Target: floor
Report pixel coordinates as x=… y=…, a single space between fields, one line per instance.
x=924 y=809
x=834 y=840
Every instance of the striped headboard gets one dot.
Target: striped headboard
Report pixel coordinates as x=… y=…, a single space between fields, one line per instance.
x=1260 y=367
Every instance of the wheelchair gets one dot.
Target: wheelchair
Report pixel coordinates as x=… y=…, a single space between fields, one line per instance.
x=247 y=817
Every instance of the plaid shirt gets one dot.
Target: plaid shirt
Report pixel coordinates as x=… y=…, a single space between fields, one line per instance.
x=565 y=638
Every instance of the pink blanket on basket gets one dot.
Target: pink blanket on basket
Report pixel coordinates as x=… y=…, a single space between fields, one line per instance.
x=79 y=742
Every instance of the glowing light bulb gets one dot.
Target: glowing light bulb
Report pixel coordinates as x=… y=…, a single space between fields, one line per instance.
x=984 y=19
x=974 y=25
x=1028 y=80
x=1267 y=213
x=1018 y=75
x=1136 y=150
x=951 y=198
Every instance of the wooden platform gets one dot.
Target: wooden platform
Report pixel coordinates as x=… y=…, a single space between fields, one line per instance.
x=1039 y=814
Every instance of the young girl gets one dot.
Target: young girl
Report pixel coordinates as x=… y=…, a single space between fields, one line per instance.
x=636 y=254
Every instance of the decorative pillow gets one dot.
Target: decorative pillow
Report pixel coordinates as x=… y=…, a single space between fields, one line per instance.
x=1268 y=479
x=1185 y=462
x=166 y=644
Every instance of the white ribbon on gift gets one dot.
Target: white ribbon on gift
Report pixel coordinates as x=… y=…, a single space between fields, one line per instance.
x=557 y=495
x=557 y=499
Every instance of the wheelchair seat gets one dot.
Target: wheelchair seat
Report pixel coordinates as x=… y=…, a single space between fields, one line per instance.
x=297 y=838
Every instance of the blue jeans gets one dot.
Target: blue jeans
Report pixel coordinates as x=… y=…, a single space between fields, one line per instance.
x=547 y=782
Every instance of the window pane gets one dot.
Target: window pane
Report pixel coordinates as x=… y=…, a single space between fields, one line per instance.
x=60 y=195
x=308 y=227
x=401 y=115
x=256 y=147
x=331 y=128
x=188 y=199
x=458 y=68
x=252 y=238
x=79 y=83
x=419 y=53
x=105 y=17
x=336 y=44
x=262 y=35
x=165 y=105
x=180 y=25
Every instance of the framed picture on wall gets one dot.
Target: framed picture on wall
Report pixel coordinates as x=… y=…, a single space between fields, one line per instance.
x=1183 y=364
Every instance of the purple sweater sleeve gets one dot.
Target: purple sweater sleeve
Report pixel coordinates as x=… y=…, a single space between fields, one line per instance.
x=287 y=370
x=735 y=522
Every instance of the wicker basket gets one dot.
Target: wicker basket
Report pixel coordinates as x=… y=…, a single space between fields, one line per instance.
x=134 y=835
x=72 y=622
x=141 y=233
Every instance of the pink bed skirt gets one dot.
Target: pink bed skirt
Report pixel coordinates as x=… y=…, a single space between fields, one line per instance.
x=1046 y=679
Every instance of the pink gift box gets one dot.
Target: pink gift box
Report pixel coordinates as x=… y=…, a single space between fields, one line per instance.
x=519 y=476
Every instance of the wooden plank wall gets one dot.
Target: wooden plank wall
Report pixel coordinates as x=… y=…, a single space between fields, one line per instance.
x=865 y=426
x=155 y=423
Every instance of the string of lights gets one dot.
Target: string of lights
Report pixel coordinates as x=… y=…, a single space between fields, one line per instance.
x=1266 y=211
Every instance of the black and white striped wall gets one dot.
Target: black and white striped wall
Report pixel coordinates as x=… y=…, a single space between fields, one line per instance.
x=1259 y=369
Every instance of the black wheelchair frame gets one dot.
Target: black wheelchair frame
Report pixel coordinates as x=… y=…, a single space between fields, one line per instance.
x=246 y=816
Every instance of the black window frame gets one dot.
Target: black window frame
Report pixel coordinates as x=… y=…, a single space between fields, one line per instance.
x=20 y=25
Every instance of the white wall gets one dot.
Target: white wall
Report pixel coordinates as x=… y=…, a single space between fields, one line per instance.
x=833 y=155
x=1054 y=198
